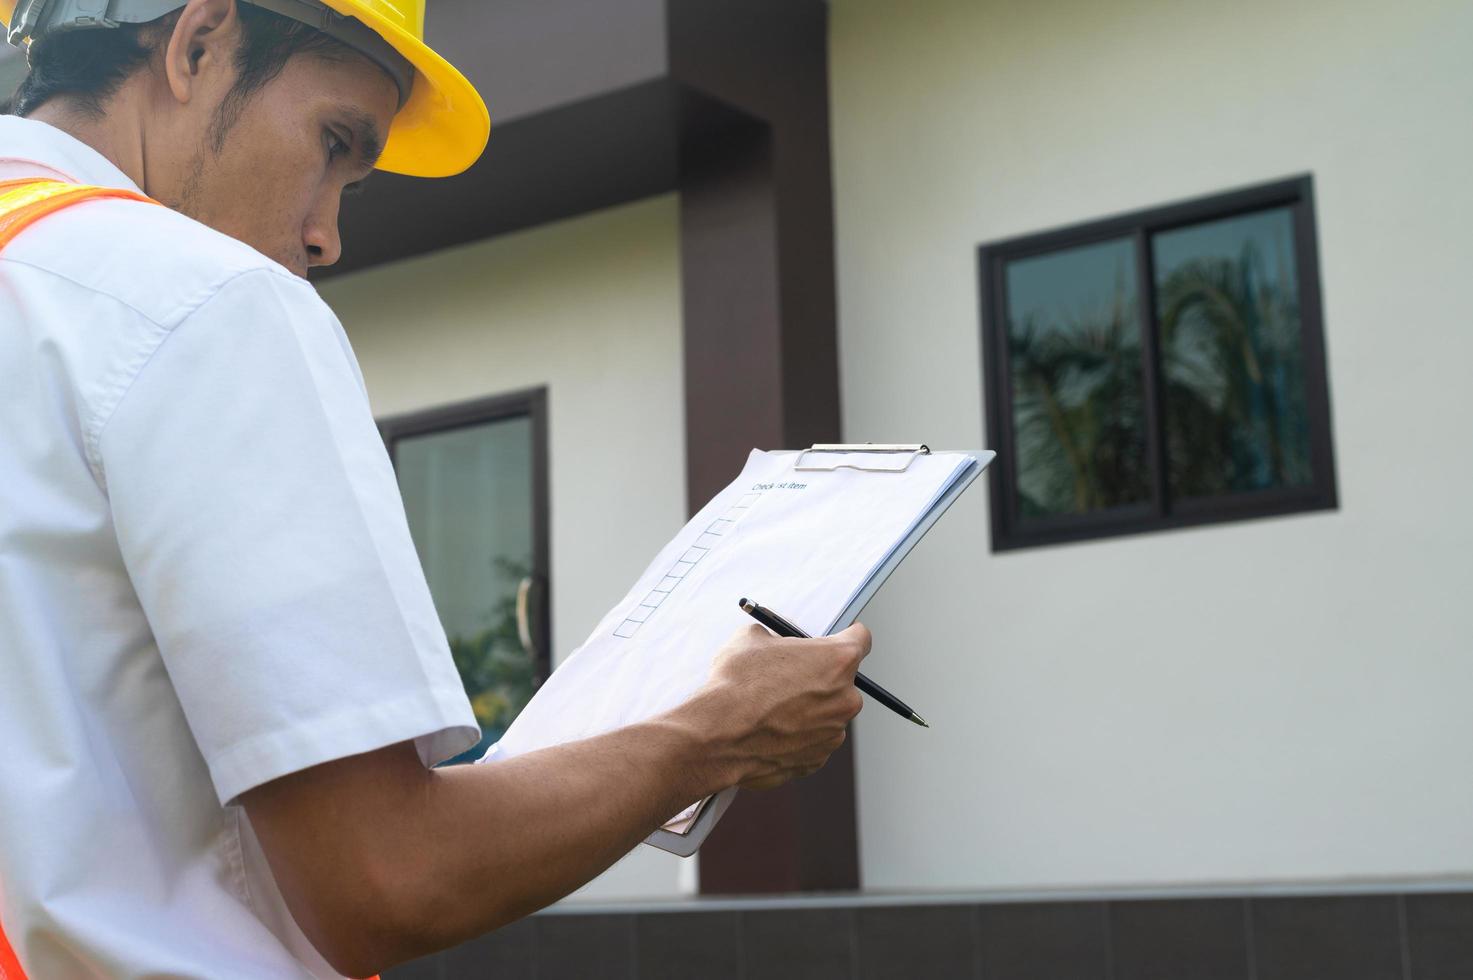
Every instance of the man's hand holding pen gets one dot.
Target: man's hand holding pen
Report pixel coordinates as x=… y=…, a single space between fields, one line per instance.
x=777 y=708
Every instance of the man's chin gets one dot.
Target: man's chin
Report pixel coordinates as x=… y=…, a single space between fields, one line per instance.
x=292 y=262
x=296 y=265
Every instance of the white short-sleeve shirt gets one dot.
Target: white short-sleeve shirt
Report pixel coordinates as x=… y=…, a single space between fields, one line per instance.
x=206 y=582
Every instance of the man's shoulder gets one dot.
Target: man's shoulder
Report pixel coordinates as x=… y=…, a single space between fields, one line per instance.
x=149 y=258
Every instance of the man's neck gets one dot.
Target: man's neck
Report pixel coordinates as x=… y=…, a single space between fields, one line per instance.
x=115 y=132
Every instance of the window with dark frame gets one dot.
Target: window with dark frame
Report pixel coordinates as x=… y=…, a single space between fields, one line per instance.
x=1157 y=369
x=473 y=478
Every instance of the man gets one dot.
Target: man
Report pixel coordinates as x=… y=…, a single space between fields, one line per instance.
x=224 y=681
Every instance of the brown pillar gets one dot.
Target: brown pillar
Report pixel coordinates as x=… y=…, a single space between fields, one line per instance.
x=761 y=352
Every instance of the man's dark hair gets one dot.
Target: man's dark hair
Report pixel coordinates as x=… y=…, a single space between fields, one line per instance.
x=89 y=64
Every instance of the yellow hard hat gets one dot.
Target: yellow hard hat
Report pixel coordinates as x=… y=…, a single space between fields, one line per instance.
x=443 y=126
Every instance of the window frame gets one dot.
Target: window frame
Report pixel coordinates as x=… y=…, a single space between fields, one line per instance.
x=1159 y=512
x=527 y=403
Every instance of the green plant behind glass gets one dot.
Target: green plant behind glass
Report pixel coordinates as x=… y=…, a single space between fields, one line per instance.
x=498 y=674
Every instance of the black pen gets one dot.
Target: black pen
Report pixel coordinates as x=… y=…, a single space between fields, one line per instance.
x=782 y=627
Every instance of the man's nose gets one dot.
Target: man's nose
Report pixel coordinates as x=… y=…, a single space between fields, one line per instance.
x=320 y=236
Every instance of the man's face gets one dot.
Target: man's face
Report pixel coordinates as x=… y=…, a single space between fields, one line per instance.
x=277 y=181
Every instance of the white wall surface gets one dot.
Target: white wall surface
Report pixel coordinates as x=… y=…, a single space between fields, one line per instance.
x=1287 y=699
x=591 y=309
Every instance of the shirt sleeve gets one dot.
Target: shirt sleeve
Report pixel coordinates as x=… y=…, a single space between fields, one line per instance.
x=261 y=524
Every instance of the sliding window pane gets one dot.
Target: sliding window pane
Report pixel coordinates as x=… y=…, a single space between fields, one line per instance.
x=1232 y=356
x=468 y=497
x=1074 y=352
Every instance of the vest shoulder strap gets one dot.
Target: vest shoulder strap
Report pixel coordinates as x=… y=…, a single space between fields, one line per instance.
x=25 y=201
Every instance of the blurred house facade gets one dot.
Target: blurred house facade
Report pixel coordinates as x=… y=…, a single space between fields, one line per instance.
x=1261 y=723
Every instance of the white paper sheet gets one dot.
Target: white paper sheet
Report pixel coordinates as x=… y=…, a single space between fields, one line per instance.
x=802 y=543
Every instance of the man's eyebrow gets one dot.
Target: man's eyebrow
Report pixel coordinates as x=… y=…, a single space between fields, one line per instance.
x=367 y=141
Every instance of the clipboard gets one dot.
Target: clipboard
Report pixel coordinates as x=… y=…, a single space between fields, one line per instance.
x=812 y=459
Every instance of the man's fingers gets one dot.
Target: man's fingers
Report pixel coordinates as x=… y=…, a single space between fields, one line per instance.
x=786 y=776
x=856 y=642
x=859 y=638
x=752 y=633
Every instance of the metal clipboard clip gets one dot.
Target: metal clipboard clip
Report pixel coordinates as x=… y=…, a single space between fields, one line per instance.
x=912 y=451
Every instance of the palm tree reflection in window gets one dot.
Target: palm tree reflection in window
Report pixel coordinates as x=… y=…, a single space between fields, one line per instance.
x=1078 y=410
x=1227 y=302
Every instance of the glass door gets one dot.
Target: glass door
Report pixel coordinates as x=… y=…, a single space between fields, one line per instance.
x=474 y=482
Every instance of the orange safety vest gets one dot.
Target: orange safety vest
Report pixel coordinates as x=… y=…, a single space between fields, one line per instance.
x=9 y=965
x=23 y=202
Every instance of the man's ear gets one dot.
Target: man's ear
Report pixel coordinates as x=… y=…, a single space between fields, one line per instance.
x=201 y=49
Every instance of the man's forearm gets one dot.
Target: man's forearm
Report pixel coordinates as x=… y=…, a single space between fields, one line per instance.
x=545 y=823
x=381 y=860
x=449 y=854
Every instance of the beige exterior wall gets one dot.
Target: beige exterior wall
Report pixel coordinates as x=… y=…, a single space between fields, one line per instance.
x=1274 y=700
x=591 y=309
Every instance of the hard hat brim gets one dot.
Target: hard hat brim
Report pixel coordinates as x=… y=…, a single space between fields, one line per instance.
x=444 y=126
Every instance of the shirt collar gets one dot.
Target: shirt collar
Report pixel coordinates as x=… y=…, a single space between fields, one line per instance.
x=27 y=143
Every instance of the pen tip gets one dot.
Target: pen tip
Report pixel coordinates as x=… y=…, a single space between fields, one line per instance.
x=746 y=604
x=919 y=720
